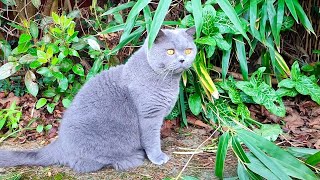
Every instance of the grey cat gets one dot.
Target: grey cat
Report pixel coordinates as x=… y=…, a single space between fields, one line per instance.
x=115 y=118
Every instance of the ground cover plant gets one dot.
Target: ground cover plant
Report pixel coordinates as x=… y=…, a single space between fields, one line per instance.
x=55 y=55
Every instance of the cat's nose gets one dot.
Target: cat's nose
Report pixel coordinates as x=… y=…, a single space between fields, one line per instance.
x=181 y=60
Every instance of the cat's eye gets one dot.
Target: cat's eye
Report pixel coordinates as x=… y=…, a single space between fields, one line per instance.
x=170 y=51
x=187 y=51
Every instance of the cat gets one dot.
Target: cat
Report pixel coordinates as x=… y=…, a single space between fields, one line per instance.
x=115 y=118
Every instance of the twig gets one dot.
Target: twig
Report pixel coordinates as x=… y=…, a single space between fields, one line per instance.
x=185 y=166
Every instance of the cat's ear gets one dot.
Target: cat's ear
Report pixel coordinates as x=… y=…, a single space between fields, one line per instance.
x=191 y=31
x=160 y=36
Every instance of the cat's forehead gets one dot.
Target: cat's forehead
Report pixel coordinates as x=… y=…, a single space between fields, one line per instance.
x=178 y=37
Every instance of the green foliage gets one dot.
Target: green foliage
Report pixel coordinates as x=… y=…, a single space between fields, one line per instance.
x=10 y=117
x=300 y=83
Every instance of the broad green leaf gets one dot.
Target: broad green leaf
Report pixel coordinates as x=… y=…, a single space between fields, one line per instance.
x=49 y=93
x=287 y=83
x=34 y=31
x=78 y=69
x=35 y=64
x=157 y=21
x=27 y=58
x=276 y=152
x=221 y=154
x=242 y=172
x=24 y=38
x=119 y=8
x=306 y=86
x=206 y=40
x=269 y=131
x=31 y=85
x=66 y=65
x=39 y=128
x=241 y=54
x=194 y=102
x=50 y=107
x=66 y=102
x=209 y=14
x=6 y=48
x=63 y=83
x=230 y=12
x=44 y=71
x=93 y=44
x=197 y=15
x=42 y=56
x=287 y=92
x=221 y=43
x=41 y=102
x=7 y=70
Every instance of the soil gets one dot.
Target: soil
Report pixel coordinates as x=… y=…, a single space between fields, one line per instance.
x=201 y=165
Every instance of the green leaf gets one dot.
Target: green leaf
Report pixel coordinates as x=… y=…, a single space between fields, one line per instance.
x=48 y=127
x=287 y=83
x=198 y=16
x=42 y=56
x=221 y=43
x=41 y=102
x=292 y=9
x=259 y=168
x=255 y=142
x=7 y=70
x=63 y=83
x=287 y=92
x=157 y=21
x=234 y=18
x=237 y=148
x=182 y=104
x=78 y=69
x=241 y=54
x=35 y=64
x=301 y=152
x=269 y=131
x=49 y=93
x=73 y=52
x=44 y=71
x=306 y=86
x=119 y=8
x=314 y=159
x=66 y=65
x=226 y=59
x=139 y=5
x=66 y=102
x=24 y=38
x=221 y=154
x=27 y=58
x=194 y=102
x=34 y=31
x=303 y=17
x=188 y=178
x=55 y=18
x=209 y=14
x=93 y=44
x=36 y=3
x=206 y=40
x=50 y=107
x=29 y=81
x=9 y=3
x=147 y=17
x=39 y=128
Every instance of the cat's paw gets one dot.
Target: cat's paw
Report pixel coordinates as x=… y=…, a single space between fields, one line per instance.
x=159 y=159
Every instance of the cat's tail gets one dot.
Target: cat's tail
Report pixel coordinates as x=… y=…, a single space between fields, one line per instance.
x=45 y=156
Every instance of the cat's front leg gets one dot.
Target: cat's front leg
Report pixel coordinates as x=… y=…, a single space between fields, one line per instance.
x=150 y=140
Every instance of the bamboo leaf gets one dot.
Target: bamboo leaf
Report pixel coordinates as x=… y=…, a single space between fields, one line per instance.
x=119 y=8
x=303 y=17
x=231 y=13
x=222 y=153
x=157 y=21
x=197 y=15
x=226 y=59
x=292 y=9
x=314 y=159
x=241 y=54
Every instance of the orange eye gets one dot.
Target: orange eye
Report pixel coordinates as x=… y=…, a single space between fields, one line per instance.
x=188 y=51
x=170 y=51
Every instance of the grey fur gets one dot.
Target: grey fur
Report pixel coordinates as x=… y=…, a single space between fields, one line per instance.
x=116 y=117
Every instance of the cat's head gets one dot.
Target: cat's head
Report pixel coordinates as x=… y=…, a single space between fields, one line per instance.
x=173 y=51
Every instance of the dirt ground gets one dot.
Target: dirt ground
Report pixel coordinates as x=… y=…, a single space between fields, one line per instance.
x=201 y=166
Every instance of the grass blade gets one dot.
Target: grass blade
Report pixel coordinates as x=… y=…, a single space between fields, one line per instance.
x=157 y=21
x=182 y=105
x=314 y=159
x=303 y=17
x=197 y=15
x=119 y=8
x=222 y=153
x=147 y=17
x=253 y=18
x=241 y=54
x=292 y=9
x=130 y=21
